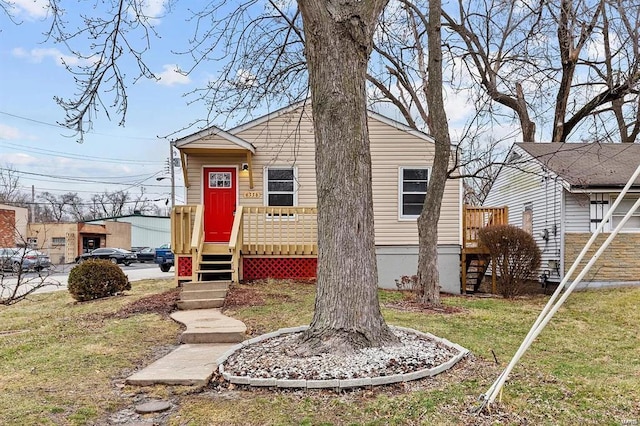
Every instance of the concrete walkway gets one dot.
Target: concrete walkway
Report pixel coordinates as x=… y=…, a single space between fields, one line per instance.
x=209 y=334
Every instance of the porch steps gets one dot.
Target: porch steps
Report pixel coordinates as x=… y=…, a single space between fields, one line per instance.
x=215 y=265
x=212 y=248
x=203 y=295
x=476 y=268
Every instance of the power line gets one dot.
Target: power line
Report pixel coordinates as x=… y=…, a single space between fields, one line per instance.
x=92 y=204
x=60 y=126
x=81 y=180
x=76 y=156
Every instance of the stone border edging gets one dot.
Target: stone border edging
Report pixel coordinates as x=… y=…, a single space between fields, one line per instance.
x=337 y=383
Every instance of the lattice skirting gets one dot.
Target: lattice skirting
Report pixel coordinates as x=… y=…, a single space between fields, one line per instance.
x=184 y=266
x=254 y=268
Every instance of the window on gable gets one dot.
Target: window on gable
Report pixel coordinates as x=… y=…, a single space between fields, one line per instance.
x=413 y=189
x=280 y=186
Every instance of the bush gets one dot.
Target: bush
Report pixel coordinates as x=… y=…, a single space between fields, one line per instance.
x=516 y=256
x=94 y=279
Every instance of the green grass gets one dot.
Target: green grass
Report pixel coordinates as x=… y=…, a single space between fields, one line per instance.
x=59 y=366
x=62 y=364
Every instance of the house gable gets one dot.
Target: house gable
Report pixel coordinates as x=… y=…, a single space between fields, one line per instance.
x=213 y=138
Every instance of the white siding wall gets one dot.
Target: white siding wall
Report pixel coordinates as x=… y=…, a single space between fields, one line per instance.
x=515 y=187
x=287 y=140
x=576 y=207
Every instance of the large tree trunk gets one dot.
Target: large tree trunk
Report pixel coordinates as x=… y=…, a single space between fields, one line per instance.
x=338 y=41
x=428 y=278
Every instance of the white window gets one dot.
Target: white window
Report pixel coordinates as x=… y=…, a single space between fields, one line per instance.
x=58 y=241
x=633 y=224
x=413 y=183
x=219 y=180
x=280 y=186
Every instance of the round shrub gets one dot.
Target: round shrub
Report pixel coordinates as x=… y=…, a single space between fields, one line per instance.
x=94 y=279
x=516 y=255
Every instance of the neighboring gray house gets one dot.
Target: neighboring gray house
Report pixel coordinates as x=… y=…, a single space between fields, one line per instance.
x=559 y=192
x=146 y=231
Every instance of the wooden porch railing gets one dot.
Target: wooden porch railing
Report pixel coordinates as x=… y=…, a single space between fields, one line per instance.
x=183 y=220
x=270 y=231
x=235 y=242
x=280 y=231
x=475 y=218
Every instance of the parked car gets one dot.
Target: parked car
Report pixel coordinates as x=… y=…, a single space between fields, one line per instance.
x=164 y=257
x=146 y=254
x=21 y=259
x=115 y=255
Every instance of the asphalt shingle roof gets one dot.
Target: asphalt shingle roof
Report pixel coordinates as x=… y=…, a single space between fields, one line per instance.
x=588 y=164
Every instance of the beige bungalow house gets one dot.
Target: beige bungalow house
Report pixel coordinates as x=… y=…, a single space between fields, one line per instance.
x=250 y=208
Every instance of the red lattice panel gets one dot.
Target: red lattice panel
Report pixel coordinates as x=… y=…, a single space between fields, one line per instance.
x=184 y=266
x=254 y=268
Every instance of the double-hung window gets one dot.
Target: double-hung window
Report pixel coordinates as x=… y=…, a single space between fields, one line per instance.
x=412 y=190
x=280 y=186
x=633 y=224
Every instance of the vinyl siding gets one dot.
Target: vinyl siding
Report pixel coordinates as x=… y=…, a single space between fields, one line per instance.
x=576 y=217
x=517 y=186
x=288 y=140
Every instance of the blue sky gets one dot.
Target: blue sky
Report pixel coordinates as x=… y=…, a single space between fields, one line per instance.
x=31 y=142
x=111 y=157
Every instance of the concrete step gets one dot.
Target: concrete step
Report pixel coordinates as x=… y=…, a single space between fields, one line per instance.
x=186 y=305
x=189 y=337
x=203 y=294
x=206 y=285
x=209 y=326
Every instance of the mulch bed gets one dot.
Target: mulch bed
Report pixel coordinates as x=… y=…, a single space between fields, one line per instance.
x=162 y=304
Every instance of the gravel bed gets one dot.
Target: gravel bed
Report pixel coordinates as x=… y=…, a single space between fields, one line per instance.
x=269 y=359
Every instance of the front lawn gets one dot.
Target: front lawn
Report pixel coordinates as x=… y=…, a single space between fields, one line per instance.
x=64 y=363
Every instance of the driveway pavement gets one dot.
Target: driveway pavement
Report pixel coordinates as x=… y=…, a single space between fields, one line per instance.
x=56 y=279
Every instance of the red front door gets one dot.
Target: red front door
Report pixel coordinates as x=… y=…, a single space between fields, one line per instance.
x=219 y=189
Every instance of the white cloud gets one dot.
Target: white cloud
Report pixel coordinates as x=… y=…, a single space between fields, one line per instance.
x=153 y=8
x=20 y=159
x=33 y=9
x=246 y=78
x=150 y=10
x=172 y=76
x=40 y=54
x=9 y=133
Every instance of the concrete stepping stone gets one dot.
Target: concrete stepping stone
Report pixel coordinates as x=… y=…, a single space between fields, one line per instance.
x=153 y=407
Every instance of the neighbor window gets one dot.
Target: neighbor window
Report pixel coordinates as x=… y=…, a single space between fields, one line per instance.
x=412 y=190
x=633 y=224
x=58 y=241
x=280 y=184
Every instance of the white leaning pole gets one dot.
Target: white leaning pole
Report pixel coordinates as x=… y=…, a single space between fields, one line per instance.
x=551 y=308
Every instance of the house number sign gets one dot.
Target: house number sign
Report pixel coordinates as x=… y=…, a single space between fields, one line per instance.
x=252 y=194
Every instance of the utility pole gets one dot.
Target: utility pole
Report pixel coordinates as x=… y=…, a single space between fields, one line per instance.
x=173 y=175
x=33 y=203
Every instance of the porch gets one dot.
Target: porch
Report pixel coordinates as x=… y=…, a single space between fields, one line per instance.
x=282 y=241
x=475 y=258
x=260 y=238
